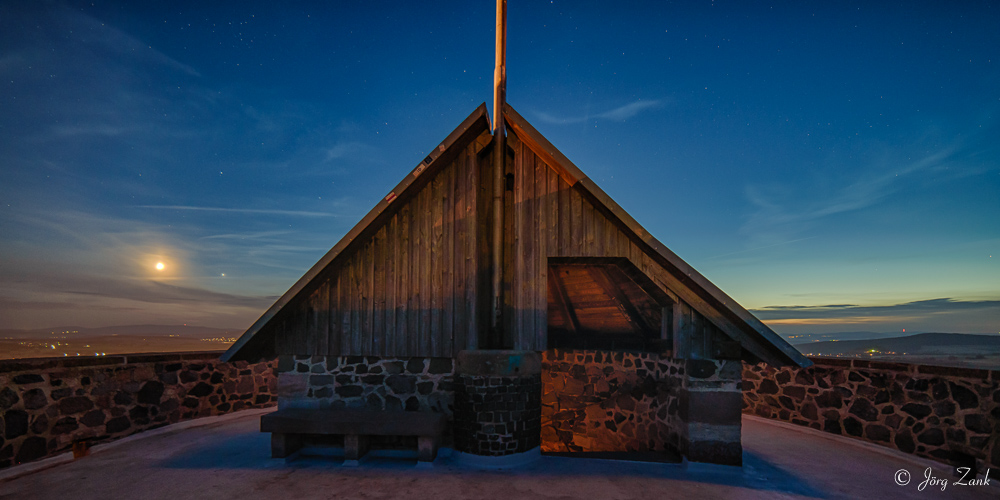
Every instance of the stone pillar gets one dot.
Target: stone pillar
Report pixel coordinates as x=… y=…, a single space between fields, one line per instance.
x=293 y=384
x=498 y=403
x=711 y=404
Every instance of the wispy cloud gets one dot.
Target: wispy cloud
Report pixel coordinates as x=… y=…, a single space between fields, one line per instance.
x=779 y=212
x=270 y=249
x=103 y=261
x=92 y=129
x=85 y=72
x=629 y=110
x=252 y=236
x=843 y=321
x=144 y=304
x=69 y=282
x=293 y=213
x=852 y=313
x=754 y=249
x=49 y=305
x=108 y=38
x=350 y=149
x=157 y=292
x=620 y=113
x=45 y=293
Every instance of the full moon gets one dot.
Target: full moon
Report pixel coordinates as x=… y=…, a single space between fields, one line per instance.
x=160 y=266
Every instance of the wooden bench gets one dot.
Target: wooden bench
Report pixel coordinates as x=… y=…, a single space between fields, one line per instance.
x=287 y=427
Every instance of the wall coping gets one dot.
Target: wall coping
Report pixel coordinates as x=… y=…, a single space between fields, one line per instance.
x=914 y=369
x=30 y=364
x=498 y=363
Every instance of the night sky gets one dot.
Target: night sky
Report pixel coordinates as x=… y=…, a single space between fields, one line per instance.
x=833 y=166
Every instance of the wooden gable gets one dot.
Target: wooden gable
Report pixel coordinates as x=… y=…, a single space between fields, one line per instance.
x=413 y=277
x=403 y=281
x=575 y=218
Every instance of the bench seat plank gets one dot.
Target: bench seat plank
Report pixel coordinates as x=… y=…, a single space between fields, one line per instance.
x=363 y=422
x=288 y=425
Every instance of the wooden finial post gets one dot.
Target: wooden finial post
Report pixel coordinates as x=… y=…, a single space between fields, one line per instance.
x=500 y=70
x=496 y=337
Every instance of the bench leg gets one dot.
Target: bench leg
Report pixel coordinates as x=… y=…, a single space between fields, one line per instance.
x=283 y=444
x=427 y=448
x=355 y=447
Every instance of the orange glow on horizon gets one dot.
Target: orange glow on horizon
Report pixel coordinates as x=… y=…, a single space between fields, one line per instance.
x=834 y=321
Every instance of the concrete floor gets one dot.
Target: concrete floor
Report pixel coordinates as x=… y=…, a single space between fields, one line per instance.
x=226 y=457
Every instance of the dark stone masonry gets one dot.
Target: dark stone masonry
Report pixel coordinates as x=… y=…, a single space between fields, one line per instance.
x=497 y=402
x=628 y=401
x=947 y=414
x=572 y=400
x=47 y=405
x=393 y=384
x=501 y=402
x=607 y=401
x=497 y=416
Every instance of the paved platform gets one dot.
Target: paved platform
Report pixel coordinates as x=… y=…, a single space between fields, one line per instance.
x=227 y=457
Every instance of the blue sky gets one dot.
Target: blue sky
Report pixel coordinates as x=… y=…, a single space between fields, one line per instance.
x=831 y=166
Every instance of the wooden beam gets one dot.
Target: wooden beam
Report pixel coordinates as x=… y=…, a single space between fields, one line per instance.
x=542 y=147
x=720 y=320
x=500 y=69
x=644 y=283
x=620 y=300
x=626 y=269
x=562 y=301
x=683 y=330
x=587 y=306
x=499 y=154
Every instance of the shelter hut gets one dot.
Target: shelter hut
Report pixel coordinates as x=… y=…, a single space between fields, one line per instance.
x=498 y=287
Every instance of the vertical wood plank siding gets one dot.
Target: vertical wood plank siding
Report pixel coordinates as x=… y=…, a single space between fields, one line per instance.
x=411 y=288
x=553 y=219
x=419 y=286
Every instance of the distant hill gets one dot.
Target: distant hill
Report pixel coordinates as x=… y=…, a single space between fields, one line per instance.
x=920 y=344
x=152 y=330
x=76 y=341
x=801 y=338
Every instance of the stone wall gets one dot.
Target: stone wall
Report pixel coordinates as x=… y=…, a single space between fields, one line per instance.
x=672 y=374
x=607 y=401
x=498 y=400
x=591 y=400
x=947 y=414
x=47 y=405
x=496 y=416
x=625 y=401
x=710 y=411
x=395 y=384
